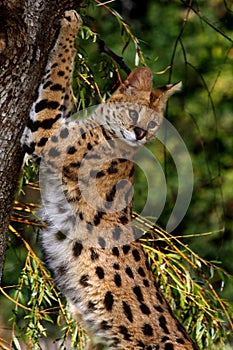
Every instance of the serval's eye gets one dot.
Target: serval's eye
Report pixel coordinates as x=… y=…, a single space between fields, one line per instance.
x=152 y=124
x=133 y=115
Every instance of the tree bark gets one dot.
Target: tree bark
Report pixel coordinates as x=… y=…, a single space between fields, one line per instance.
x=27 y=33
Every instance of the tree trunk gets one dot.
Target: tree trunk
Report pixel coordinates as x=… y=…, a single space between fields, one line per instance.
x=27 y=33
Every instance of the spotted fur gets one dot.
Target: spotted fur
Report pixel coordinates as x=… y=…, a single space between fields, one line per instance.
x=86 y=178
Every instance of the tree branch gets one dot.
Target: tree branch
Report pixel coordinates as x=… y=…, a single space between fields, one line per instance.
x=118 y=59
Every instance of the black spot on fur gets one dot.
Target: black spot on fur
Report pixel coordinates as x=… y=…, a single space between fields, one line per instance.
x=102 y=242
x=52 y=105
x=106 y=136
x=44 y=124
x=145 y=309
x=42 y=104
x=116 y=266
x=113 y=168
x=89 y=146
x=169 y=346
x=111 y=194
x=126 y=248
x=163 y=324
x=158 y=308
x=47 y=84
x=164 y=339
x=75 y=164
x=127 y=311
x=137 y=291
x=54 y=138
x=29 y=149
x=91 y=306
x=71 y=150
x=180 y=340
x=64 y=133
x=61 y=73
x=115 y=251
x=116 y=233
x=108 y=301
x=146 y=283
x=66 y=171
x=53 y=152
x=42 y=141
x=89 y=226
x=93 y=174
x=97 y=218
x=57 y=87
x=141 y=344
x=141 y=272
x=123 y=219
x=124 y=331
x=147 y=329
x=117 y=279
x=100 y=174
x=68 y=18
x=77 y=249
x=115 y=342
x=100 y=272
x=60 y=236
x=105 y=325
x=84 y=280
x=136 y=255
x=129 y=272
x=94 y=255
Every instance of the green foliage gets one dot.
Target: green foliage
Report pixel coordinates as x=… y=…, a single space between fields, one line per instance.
x=184 y=278
x=194 y=46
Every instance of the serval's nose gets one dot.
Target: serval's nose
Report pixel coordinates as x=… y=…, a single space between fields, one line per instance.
x=140 y=133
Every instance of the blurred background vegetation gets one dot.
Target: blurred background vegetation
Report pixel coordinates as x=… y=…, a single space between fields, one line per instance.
x=188 y=41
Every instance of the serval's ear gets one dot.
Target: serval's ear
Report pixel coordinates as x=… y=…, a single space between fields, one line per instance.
x=159 y=97
x=140 y=79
